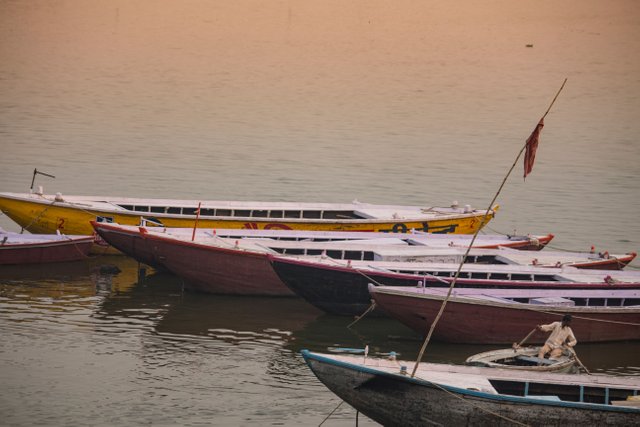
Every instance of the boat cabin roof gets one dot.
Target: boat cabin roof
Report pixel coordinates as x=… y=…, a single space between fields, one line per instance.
x=249 y=209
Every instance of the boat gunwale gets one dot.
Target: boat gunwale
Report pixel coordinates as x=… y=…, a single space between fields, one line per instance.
x=183 y=242
x=300 y=206
x=48 y=243
x=488 y=359
x=389 y=290
x=307 y=355
x=309 y=263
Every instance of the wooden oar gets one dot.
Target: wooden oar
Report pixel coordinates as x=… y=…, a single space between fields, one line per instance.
x=518 y=345
x=575 y=356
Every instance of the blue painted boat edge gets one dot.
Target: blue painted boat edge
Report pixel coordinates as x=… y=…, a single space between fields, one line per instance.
x=308 y=356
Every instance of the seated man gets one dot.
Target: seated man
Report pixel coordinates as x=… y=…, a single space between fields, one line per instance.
x=560 y=333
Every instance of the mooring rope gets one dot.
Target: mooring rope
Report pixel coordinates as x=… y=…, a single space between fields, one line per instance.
x=37 y=218
x=511 y=420
x=357 y=270
x=591 y=319
x=75 y=245
x=369 y=310
x=334 y=410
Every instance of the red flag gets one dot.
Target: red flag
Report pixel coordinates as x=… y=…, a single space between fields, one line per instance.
x=532 y=146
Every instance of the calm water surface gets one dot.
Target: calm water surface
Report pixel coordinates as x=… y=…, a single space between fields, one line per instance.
x=419 y=102
x=82 y=344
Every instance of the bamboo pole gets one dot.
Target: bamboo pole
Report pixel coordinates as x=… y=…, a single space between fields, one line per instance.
x=195 y=224
x=464 y=258
x=518 y=345
x=575 y=356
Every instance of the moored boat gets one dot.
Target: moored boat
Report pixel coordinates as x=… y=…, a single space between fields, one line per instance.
x=440 y=394
x=40 y=213
x=503 y=316
x=16 y=248
x=527 y=242
x=342 y=287
x=525 y=358
x=223 y=265
x=240 y=266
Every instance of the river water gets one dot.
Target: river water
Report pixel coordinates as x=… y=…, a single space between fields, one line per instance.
x=410 y=102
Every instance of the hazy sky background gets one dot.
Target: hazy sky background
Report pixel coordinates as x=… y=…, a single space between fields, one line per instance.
x=410 y=102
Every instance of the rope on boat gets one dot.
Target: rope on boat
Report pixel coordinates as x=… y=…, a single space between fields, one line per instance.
x=475 y=235
x=334 y=410
x=480 y=408
x=369 y=310
x=511 y=420
x=592 y=319
x=37 y=218
x=356 y=270
x=75 y=244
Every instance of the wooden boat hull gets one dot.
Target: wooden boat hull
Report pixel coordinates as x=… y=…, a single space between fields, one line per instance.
x=617 y=263
x=204 y=268
x=341 y=290
x=469 y=322
x=46 y=215
x=72 y=249
x=393 y=399
x=213 y=264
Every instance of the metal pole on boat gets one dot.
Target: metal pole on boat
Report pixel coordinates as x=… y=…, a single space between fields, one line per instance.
x=464 y=258
x=33 y=179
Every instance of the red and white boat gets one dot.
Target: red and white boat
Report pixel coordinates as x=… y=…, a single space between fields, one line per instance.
x=504 y=316
x=16 y=248
x=238 y=263
x=341 y=287
x=235 y=262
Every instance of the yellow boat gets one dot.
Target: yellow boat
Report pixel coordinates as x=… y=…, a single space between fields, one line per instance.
x=41 y=213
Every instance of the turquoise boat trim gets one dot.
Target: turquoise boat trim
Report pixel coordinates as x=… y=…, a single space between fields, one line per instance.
x=308 y=356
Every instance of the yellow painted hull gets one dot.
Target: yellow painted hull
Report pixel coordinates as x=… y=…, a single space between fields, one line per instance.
x=39 y=217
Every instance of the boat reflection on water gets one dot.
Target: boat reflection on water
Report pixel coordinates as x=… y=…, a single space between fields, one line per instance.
x=229 y=318
x=236 y=319
x=125 y=337
x=67 y=283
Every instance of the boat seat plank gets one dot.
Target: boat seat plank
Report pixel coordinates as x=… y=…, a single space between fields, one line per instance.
x=537 y=360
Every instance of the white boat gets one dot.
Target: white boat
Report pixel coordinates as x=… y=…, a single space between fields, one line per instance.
x=385 y=390
x=522 y=358
x=41 y=213
x=342 y=286
x=238 y=262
